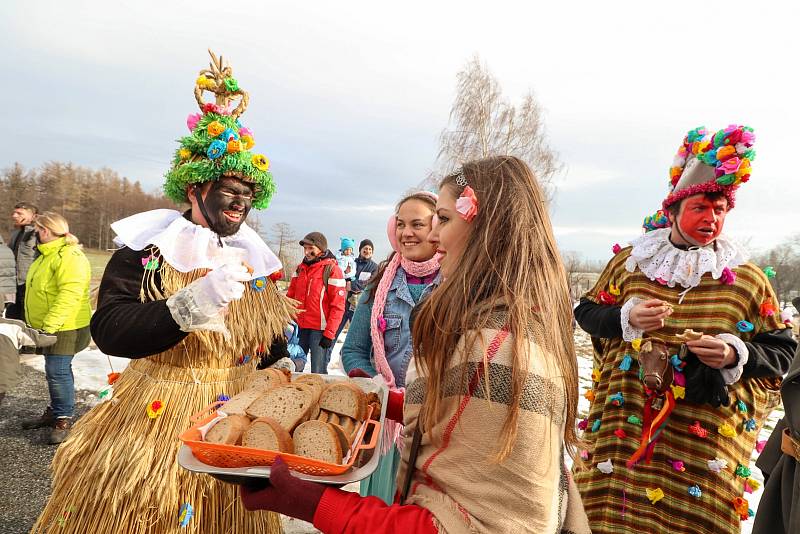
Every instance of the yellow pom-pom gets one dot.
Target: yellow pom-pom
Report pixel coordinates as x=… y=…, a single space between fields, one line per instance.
x=654 y=495
x=234 y=146
x=215 y=128
x=260 y=161
x=636 y=344
x=184 y=153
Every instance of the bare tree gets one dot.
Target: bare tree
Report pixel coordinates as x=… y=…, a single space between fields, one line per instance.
x=484 y=124
x=283 y=238
x=785 y=260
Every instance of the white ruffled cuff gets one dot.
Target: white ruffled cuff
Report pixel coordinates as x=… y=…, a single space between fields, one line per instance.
x=732 y=376
x=192 y=311
x=629 y=333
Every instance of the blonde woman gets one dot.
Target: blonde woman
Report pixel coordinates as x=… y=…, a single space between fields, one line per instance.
x=492 y=389
x=57 y=302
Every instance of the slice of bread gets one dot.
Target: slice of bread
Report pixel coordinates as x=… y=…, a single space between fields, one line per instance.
x=344 y=398
x=237 y=405
x=311 y=379
x=266 y=433
x=318 y=440
x=267 y=379
x=228 y=430
x=344 y=439
x=288 y=405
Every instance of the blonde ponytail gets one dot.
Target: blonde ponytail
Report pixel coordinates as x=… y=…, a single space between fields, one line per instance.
x=57 y=225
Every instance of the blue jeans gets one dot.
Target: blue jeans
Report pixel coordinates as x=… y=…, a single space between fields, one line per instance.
x=348 y=315
x=60 y=382
x=309 y=340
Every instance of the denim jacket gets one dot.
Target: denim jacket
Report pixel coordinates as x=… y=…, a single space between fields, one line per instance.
x=357 y=349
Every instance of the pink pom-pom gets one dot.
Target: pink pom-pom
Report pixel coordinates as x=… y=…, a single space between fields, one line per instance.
x=244 y=130
x=381 y=324
x=616 y=248
x=192 y=120
x=760 y=445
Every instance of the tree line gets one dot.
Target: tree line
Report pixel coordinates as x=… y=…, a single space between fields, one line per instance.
x=89 y=199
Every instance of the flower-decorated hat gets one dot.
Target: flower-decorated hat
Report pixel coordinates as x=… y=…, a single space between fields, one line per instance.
x=707 y=163
x=219 y=145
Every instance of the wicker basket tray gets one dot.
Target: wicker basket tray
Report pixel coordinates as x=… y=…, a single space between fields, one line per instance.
x=233 y=456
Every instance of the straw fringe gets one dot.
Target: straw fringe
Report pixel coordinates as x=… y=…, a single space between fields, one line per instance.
x=117 y=470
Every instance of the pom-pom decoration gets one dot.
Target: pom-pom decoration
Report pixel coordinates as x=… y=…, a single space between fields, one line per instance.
x=744 y=326
x=596 y=425
x=717 y=465
x=742 y=508
x=606 y=298
x=656 y=221
x=654 y=495
x=113 y=377
x=616 y=399
x=697 y=429
x=677 y=465
x=769 y=270
x=616 y=249
x=259 y=284
x=634 y=420
x=728 y=277
x=625 y=364
x=695 y=492
x=606 y=467
x=725 y=429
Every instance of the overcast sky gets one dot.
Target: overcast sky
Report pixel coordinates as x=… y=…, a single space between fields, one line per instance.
x=348 y=98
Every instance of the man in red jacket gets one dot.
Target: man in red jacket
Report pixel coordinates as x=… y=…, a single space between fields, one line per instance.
x=318 y=283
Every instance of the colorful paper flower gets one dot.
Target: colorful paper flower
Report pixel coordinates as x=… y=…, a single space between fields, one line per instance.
x=625 y=364
x=724 y=153
x=606 y=298
x=698 y=430
x=694 y=491
x=184 y=153
x=606 y=467
x=259 y=284
x=106 y=393
x=677 y=465
x=717 y=465
x=679 y=392
x=620 y=433
x=223 y=398
x=595 y=375
x=742 y=471
x=596 y=425
x=276 y=276
x=751 y=485
x=616 y=399
x=769 y=270
x=728 y=277
x=244 y=130
x=231 y=85
x=192 y=120
x=744 y=326
x=637 y=344
x=229 y=134
x=467 y=204
x=742 y=508
x=381 y=324
x=215 y=128
x=613 y=289
x=234 y=146
x=210 y=107
x=185 y=515
x=654 y=495
x=616 y=248
x=217 y=149
x=589 y=395
x=750 y=425
x=150 y=263
x=154 y=409
x=247 y=142
x=634 y=420
x=260 y=161
x=725 y=429
x=113 y=377
x=583 y=424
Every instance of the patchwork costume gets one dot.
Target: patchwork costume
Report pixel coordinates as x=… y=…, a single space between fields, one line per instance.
x=118 y=472
x=665 y=463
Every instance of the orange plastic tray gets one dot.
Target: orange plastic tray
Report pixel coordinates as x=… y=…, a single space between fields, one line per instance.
x=221 y=455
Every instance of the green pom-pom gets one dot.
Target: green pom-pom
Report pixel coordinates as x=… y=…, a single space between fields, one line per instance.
x=231 y=84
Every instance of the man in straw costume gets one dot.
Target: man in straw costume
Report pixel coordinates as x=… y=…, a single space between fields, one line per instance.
x=689 y=351
x=188 y=297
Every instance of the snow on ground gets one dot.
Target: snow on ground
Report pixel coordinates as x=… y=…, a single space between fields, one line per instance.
x=91 y=368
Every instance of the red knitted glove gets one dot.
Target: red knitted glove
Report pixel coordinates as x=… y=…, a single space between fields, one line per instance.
x=285 y=494
x=355 y=373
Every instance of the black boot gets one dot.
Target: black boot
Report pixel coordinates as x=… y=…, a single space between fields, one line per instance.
x=60 y=430
x=46 y=419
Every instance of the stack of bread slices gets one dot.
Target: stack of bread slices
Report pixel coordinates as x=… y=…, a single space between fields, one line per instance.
x=305 y=416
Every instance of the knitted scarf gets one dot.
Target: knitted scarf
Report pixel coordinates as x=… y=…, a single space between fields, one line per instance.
x=378 y=323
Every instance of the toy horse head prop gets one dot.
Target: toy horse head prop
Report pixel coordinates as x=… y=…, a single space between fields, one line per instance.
x=656 y=369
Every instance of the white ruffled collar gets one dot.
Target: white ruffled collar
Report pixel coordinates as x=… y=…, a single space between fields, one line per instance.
x=655 y=255
x=187 y=246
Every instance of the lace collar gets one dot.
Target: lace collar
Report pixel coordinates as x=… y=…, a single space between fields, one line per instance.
x=661 y=261
x=187 y=246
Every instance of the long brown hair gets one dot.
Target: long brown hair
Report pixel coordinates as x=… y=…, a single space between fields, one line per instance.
x=510 y=258
x=423 y=197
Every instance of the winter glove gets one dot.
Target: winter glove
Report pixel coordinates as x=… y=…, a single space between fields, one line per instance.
x=198 y=306
x=704 y=384
x=285 y=494
x=325 y=342
x=279 y=349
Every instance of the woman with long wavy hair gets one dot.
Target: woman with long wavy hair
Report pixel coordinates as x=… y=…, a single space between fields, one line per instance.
x=492 y=390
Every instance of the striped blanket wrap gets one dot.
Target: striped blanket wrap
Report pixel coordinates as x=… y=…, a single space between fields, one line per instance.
x=618 y=502
x=530 y=491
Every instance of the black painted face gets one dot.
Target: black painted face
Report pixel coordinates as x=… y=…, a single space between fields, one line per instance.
x=228 y=202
